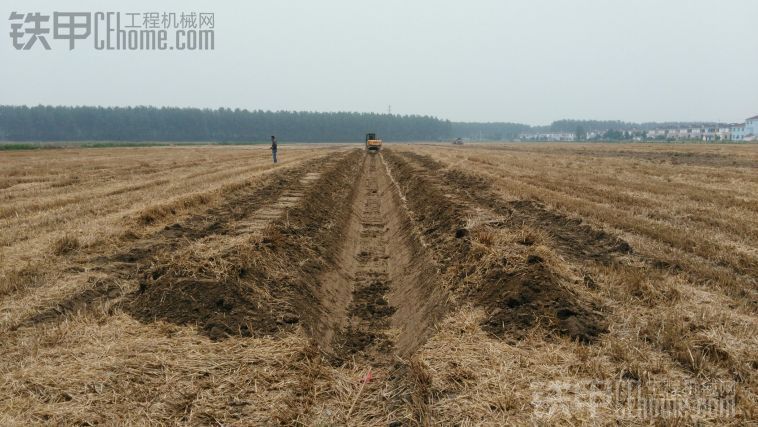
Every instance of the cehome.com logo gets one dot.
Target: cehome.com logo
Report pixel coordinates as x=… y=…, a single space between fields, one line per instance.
x=114 y=30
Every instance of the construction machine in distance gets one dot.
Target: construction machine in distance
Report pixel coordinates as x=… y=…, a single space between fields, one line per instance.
x=372 y=143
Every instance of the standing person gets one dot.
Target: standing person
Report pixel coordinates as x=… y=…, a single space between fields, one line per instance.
x=273 y=147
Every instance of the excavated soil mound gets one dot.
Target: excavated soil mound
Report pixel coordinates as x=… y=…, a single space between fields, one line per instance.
x=441 y=220
x=516 y=301
x=144 y=254
x=219 y=309
x=269 y=281
x=517 y=294
x=574 y=238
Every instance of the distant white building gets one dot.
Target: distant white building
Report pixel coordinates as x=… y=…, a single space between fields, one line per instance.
x=713 y=132
x=677 y=134
x=710 y=133
x=594 y=134
x=747 y=131
x=717 y=133
x=737 y=132
x=751 y=129
x=723 y=132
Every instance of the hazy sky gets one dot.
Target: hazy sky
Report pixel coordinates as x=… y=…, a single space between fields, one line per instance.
x=476 y=60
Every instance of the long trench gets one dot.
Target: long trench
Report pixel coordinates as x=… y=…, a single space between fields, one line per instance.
x=382 y=300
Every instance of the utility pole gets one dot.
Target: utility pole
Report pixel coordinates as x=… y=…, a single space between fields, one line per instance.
x=389 y=109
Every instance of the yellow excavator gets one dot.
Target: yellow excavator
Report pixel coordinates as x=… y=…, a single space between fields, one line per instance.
x=372 y=143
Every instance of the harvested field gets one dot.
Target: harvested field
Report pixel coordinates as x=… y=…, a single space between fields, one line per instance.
x=427 y=284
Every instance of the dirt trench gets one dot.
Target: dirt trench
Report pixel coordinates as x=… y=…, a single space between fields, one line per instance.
x=383 y=291
x=382 y=299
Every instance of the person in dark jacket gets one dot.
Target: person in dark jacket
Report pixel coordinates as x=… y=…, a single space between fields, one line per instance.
x=273 y=147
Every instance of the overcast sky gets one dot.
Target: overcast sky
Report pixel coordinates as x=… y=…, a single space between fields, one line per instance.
x=476 y=60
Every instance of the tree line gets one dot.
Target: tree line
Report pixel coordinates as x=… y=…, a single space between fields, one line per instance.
x=616 y=125
x=489 y=131
x=144 y=124
x=44 y=123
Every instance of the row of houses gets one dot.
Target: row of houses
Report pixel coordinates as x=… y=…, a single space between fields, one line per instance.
x=558 y=136
x=705 y=133
x=548 y=136
x=747 y=131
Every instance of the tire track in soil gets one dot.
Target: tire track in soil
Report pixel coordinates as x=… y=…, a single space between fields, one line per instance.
x=265 y=215
x=239 y=214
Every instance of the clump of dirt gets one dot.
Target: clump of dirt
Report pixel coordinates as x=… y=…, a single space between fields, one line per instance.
x=259 y=285
x=220 y=309
x=354 y=340
x=372 y=303
x=517 y=300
